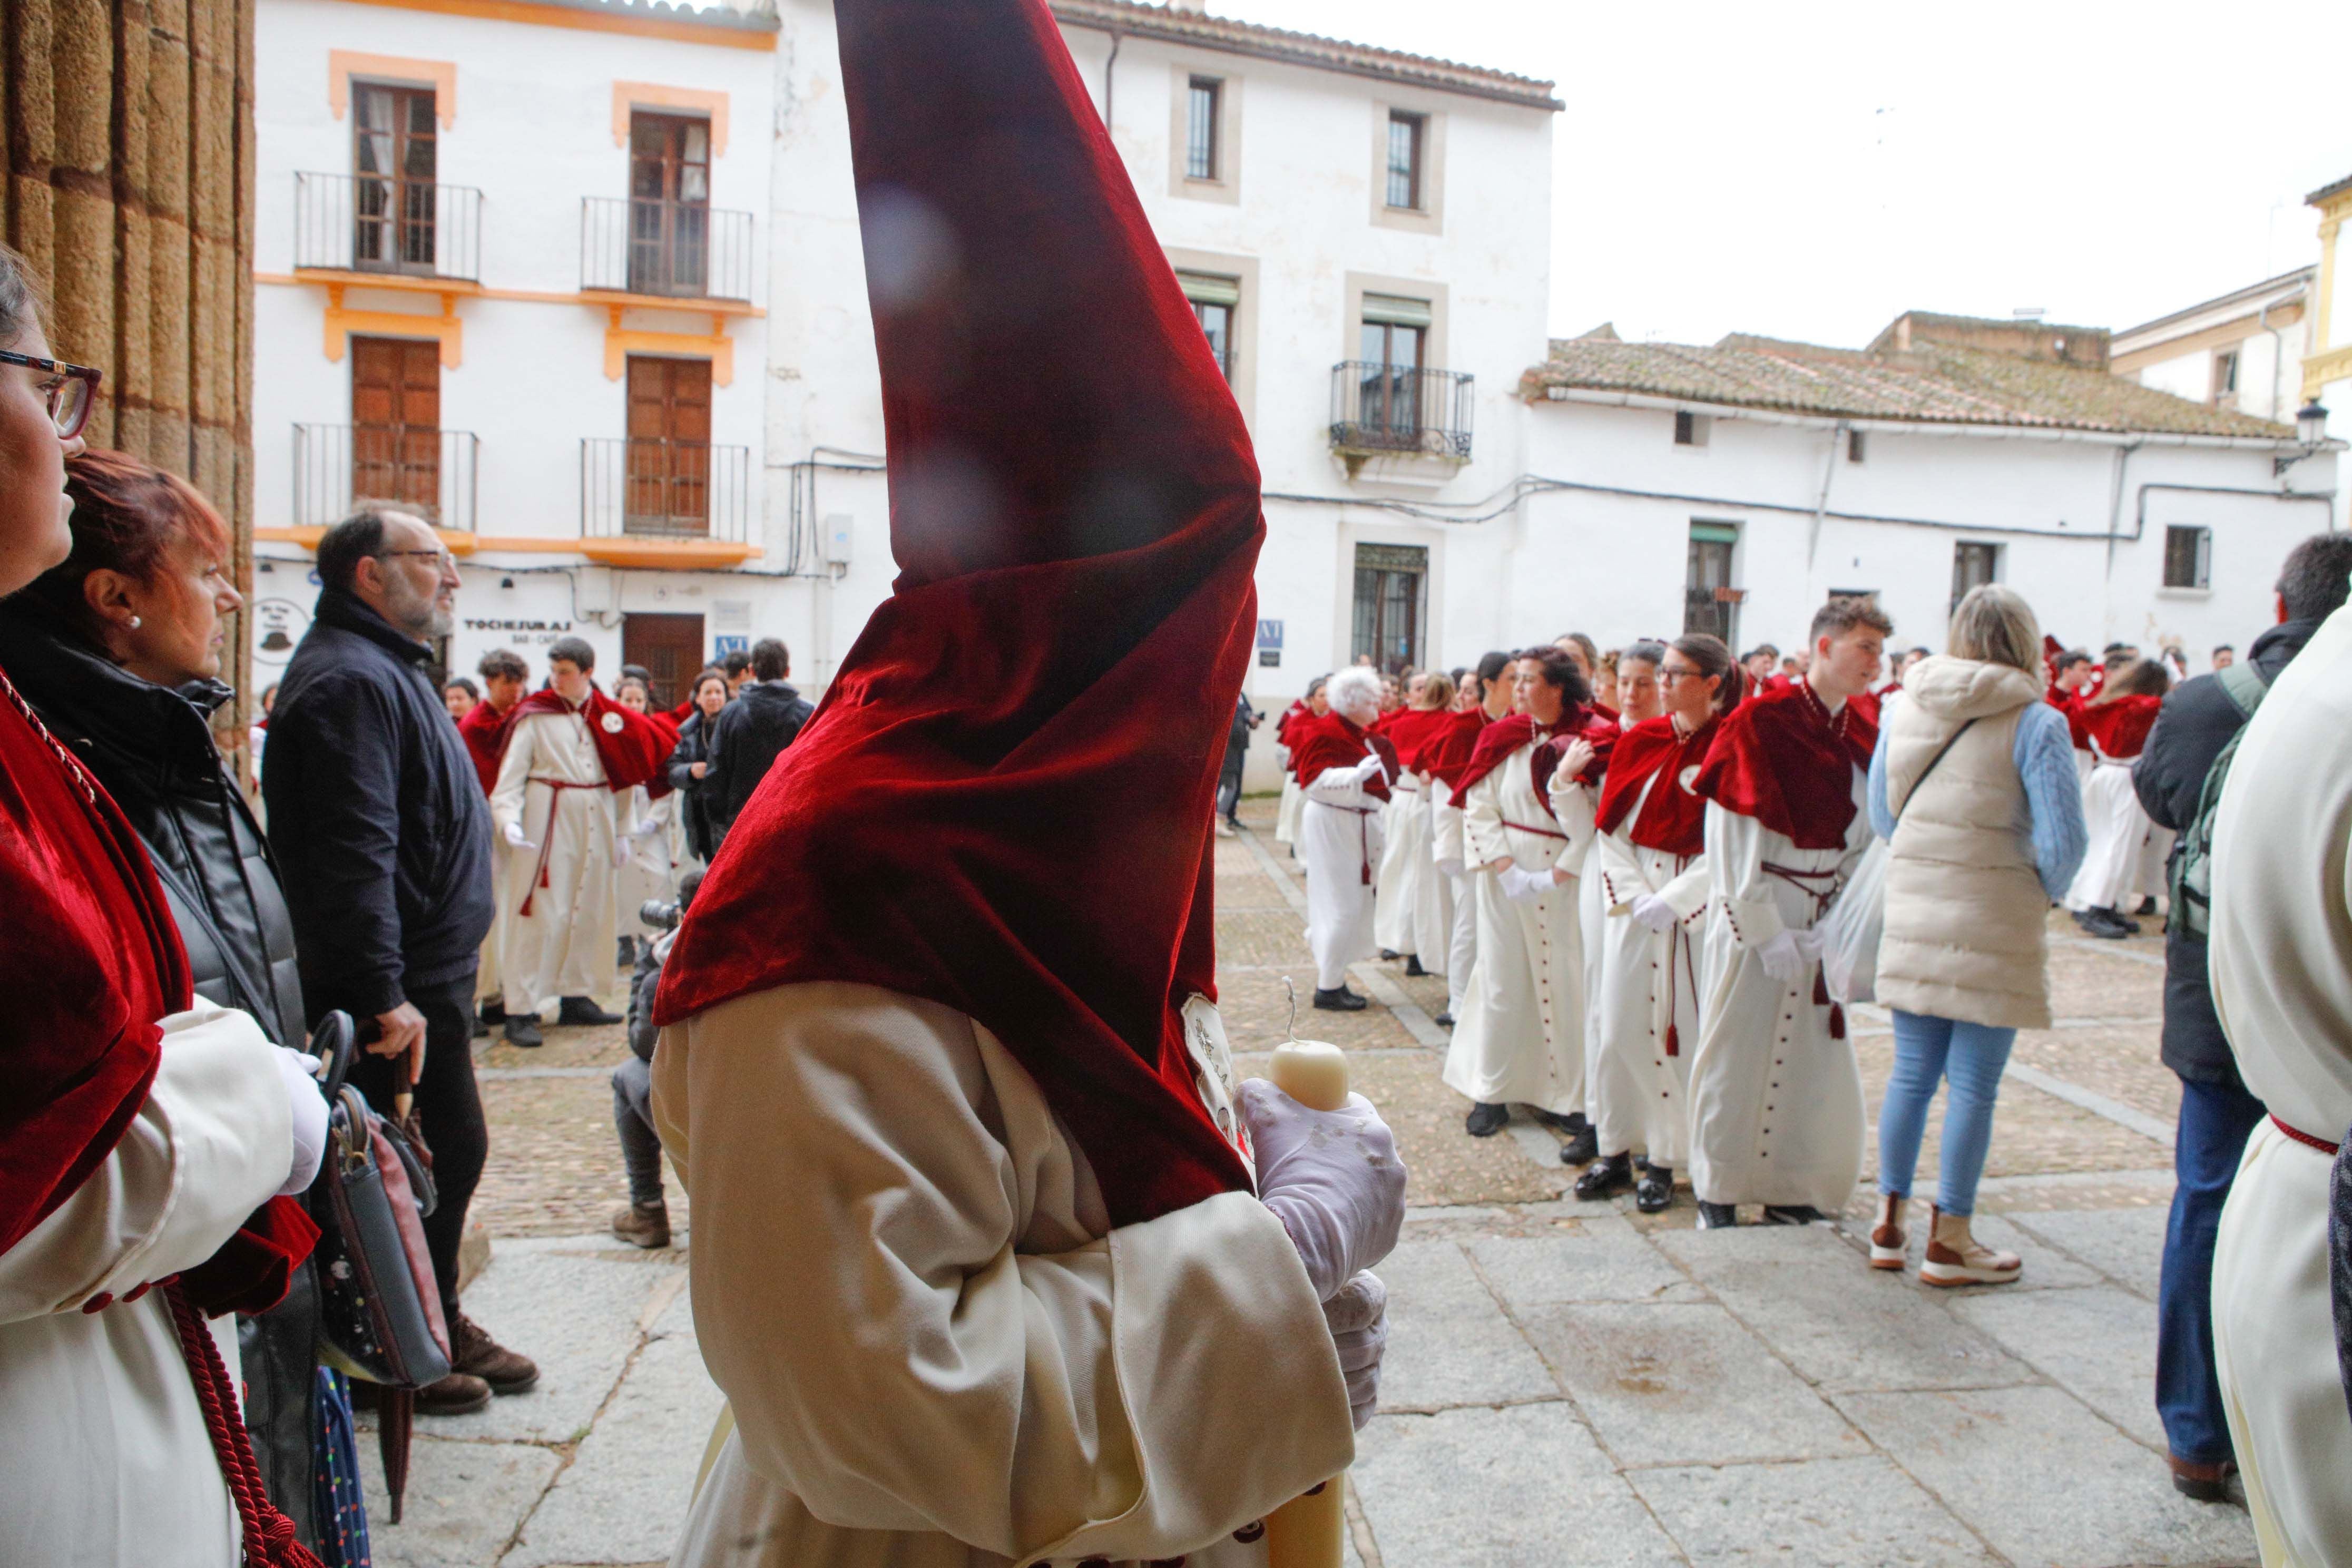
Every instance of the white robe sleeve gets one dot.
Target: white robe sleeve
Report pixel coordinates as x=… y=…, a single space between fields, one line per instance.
x=1686 y=892
x=1482 y=824
x=1735 y=849
x=1340 y=786
x=1574 y=808
x=211 y=1144
x=507 y=797
x=897 y=1284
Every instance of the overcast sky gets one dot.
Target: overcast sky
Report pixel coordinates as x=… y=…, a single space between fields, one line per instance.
x=1812 y=170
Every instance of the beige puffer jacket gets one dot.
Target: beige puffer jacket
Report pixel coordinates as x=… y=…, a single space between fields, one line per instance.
x=1964 y=936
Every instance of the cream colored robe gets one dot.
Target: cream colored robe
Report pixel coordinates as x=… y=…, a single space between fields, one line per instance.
x=103 y=1453
x=1446 y=849
x=1776 y=1103
x=2281 y=966
x=1647 y=982
x=1518 y=1038
x=1405 y=870
x=649 y=865
x=1338 y=837
x=565 y=946
x=937 y=1348
x=2111 y=877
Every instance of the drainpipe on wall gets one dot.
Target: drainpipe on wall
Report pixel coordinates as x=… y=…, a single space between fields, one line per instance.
x=1108 y=83
x=1821 y=501
x=2115 y=516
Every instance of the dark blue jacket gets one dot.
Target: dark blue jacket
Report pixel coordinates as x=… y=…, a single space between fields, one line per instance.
x=377 y=816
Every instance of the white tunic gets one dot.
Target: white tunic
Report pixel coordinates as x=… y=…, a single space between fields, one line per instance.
x=2111 y=876
x=1294 y=799
x=1776 y=1102
x=1446 y=853
x=2281 y=964
x=1647 y=984
x=104 y=1454
x=938 y=1351
x=1340 y=840
x=1519 y=1035
x=564 y=946
x=649 y=863
x=1405 y=870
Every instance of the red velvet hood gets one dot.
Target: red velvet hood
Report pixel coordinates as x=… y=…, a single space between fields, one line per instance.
x=485 y=729
x=1498 y=741
x=2119 y=726
x=1446 y=753
x=633 y=746
x=1331 y=741
x=1412 y=729
x=1781 y=758
x=1672 y=819
x=1003 y=803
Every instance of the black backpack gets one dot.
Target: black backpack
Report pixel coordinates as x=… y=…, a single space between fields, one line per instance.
x=2192 y=860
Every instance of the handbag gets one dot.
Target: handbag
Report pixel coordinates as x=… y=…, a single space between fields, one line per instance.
x=1851 y=932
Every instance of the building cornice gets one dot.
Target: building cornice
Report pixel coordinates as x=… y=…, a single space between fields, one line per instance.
x=714 y=25
x=2287 y=285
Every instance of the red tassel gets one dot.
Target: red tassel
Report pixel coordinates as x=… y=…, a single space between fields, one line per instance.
x=269 y=1538
x=1821 y=989
x=1673 y=1042
x=1837 y=1022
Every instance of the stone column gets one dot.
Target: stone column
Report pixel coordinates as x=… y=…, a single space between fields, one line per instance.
x=126 y=127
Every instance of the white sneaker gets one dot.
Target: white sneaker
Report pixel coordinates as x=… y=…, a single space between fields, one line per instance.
x=1955 y=1257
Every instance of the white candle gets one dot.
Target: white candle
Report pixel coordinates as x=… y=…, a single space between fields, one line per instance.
x=1305 y=1531
x=1312 y=1072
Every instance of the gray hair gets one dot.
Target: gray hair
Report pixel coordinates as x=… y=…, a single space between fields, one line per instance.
x=1994 y=625
x=1363 y=684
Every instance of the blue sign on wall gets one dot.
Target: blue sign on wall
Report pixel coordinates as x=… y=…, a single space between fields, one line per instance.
x=720 y=646
x=1269 y=633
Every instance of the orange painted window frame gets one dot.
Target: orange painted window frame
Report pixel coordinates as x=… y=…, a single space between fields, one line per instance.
x=628 y=96
x=441 y=75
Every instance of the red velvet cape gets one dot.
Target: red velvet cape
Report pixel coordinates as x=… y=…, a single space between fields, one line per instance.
x=485 y=729
x=634 y=752
x=1331 y=741
x=1446 y=753
x=1672 y=819
x=1781 y=758
x=1412 y=729
x=1500 y=739
x=2120 y=726
x=1290 y=715
x=1003 y=803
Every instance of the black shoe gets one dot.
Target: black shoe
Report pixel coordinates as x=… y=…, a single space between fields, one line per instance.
x=1716 y=1216
x=1485 y=1120
x=1339 y=1000
x=1412 y=967
x=494 y=1013
x=1654 y=1192
x=2147 y=906
x=1584 y=1145
x=1390 y=956
x=2105 y=924
x=522 y=1029
x=578 y=1010
x=1605 y=1179
x=1444 y=1020
x=1792 y=1213
x=2206 y=1483
x=481 y=1027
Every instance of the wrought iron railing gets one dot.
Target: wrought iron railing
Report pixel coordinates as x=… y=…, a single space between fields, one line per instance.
x=340 y=467
x=663 y=490
x=1381 y=407
x=382 y=223
x=676 y=249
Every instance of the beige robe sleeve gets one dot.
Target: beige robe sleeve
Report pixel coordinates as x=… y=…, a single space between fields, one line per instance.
x=1686 y=892
x=1482 y=823
x=1734 y=853
x=507 y=797
x=1574 y=808
x=905 y=1284
x=211 y=1144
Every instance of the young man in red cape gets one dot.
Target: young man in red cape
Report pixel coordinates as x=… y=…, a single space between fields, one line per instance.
x=977 y=1258
x=570 y=753
x=1775 y=1095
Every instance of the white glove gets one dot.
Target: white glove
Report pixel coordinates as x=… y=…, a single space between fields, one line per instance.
x=1332 y=1177
x=1451 y=867
x=515 y=837
x=310 y=1108
x=1781 y=959
x=1524 y=887
x=1653 y=911
x=1810 y=943
x=1370 y=769
x=1358 y=1320
x=647 y=828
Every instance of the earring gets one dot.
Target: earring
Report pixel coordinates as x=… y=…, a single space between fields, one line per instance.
x=134 y=623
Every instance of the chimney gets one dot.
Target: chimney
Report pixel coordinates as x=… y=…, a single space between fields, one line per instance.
x=1190 y=7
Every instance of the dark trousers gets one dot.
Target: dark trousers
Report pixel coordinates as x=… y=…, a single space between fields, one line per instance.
x=2216 y=1120
x=1229 y=780
x=450 y=1108
x=632 y=1117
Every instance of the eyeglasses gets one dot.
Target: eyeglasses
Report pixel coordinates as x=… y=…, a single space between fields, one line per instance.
x=442 y=559
x=70 y=393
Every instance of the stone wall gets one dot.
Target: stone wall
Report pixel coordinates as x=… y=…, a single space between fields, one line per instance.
x=126 y=130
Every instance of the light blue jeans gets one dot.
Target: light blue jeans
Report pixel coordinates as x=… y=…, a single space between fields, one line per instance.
x=1926 y=1050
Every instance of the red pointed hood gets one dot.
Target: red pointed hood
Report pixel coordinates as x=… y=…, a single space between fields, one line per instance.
x=1003 y=803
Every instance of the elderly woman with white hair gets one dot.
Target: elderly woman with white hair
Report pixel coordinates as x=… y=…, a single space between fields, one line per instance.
x=1344 y=773
x=1972 y=786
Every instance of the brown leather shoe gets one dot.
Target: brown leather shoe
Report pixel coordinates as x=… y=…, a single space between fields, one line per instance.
x=2206 y=1483
x=642 y=1225
x=459 y=1393
x=474 y=1351
x=1956 y=1257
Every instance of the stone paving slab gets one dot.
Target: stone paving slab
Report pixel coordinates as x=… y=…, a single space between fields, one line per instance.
x=1824 y=1513
x=2125 y=1244
x=1449 y=1342
x=2099 y=1344
x=2044 y=1480
x=1599 y=1260
x=464 y=1501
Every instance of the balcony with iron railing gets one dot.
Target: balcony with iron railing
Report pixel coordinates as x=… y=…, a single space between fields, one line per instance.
x=1392 y=410
x=662 y=502
x=678 y=250
x=382 y=224
x=339 y=468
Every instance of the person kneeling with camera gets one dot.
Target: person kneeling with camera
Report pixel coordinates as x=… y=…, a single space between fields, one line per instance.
x=644 y=1221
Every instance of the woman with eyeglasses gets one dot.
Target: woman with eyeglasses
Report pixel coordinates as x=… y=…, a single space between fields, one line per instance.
x=150 y=1134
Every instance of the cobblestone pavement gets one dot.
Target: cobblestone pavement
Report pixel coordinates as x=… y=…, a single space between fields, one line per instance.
x=1566 y=1383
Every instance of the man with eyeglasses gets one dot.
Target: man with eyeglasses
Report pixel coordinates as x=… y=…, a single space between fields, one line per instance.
x=382 y=840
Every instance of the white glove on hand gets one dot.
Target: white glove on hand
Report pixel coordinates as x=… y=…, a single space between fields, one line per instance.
x=1810 y=943
x=647 y=828
x=1524 y=887
x=309 y=1107
x=515 y=837
x=1653 y=911
x=1370 y=769
x=1332 y=1177
x=1358 y=1320
x=1781 y=957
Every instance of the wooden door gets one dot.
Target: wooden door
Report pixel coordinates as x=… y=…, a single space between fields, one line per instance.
x=670 y=646
x=670 y=203
x=393 y=163
x=396 y=423
x=669 y=446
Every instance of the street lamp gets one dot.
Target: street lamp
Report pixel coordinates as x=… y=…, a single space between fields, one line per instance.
x=2310 y=434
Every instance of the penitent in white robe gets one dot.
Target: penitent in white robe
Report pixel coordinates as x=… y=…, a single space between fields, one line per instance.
x=1446 y=853
x=1405 y=870
x=938 y=1351
x=1776 y=1102
x=564 y=946
x=648 y=864
x=1340 y=840
x=2282 y=964
x=104 y=1454
x=2110 y=877
x=1519 y=1035
x=1646 y=984
x=1293 y=800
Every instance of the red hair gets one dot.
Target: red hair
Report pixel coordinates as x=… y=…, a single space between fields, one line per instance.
x=127 y=514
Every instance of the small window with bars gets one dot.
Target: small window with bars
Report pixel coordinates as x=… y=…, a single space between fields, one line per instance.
x=1408 y=142
x=2188 y=556
x=1216 y=302
x=2225 y=375
x=1204 y=97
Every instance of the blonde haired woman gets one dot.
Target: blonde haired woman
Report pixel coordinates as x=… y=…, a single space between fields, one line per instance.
x=1973 y=788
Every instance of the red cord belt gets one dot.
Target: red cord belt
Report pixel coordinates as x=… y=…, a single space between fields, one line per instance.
x=2307 y=1140
x=1538 y=832
x=547 y=838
